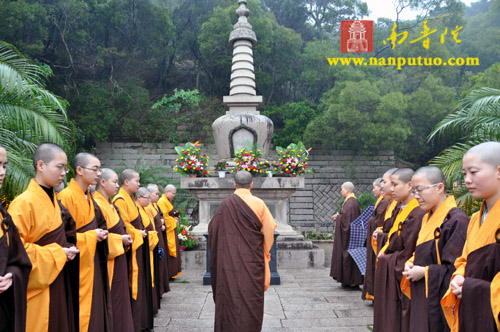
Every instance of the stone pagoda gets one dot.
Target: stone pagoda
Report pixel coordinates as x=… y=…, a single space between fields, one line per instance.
x=243 y=123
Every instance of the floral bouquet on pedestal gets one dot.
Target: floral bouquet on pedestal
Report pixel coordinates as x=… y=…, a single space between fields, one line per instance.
x=186 y=239
x=292 y=160
x=249 y=159
x=184 y=235
x=191 y=160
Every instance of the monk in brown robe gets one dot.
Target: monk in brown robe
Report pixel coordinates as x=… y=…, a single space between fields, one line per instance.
x=343 y=268
x=467 y=302
x=143 y=197
x=391 y=307
x=240 y=236
x=15 y=267
x=118 y=240
x=171 y=218
x=92 y=242
x=375 y=221
x=379 y=237
x=440 y=241
x=37 y=215
x=154 y=210
x=139 y=262
x=495 y=289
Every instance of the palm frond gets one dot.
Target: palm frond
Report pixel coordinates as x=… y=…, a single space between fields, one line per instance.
x=477 y=119
x=29 y=115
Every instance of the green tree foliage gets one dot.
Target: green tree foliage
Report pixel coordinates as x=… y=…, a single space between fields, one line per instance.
x=290 y=121
x=276 y=47
x=327 y=14
x=360 y=119
x=428 y=105
x=481 y=35
x=29 y=115
x=113 y=59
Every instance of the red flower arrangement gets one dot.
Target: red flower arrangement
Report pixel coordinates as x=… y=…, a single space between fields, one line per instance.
x=292 y=160
x=191 y=160
x=250 y=160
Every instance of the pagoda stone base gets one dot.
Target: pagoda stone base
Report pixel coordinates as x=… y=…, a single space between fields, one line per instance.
x=294 y=252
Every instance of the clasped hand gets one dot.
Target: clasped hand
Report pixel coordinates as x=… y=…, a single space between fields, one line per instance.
x=456 y=285
x=413 y=272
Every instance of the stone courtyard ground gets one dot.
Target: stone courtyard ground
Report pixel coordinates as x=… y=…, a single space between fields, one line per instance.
x=307 y=300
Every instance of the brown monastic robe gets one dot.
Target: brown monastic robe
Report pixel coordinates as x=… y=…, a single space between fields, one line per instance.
x=120 y=293
x=139 y=262
x=482 y=266
x=95 y=310
x=163 y=283
x=14 y=260
x=376 y=220
x=343 y=268
x=386 y=227
x=478 y=235
x=148 y=223
x=391 y=306
x=51 y=304
x=239 y=239
x=426 y=293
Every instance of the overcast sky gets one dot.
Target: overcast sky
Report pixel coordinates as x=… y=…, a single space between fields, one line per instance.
x=386 y=8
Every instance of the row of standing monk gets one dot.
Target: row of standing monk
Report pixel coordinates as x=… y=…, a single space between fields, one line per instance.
x=428 y=267
x=85 y=261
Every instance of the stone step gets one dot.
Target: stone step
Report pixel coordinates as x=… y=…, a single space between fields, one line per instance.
x=294 y=245
x=291 y=238
x=287 y=259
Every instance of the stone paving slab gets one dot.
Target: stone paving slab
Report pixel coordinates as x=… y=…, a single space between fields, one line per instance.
x=307 y=300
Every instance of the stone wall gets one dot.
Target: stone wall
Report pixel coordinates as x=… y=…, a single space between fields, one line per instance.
x=311 y=208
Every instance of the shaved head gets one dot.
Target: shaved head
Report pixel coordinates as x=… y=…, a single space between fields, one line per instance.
x=488 y=152
x=106 y=174
x=143 y=191
x=127 y=174
x=404 y=174
x=378 y=181
x=349 y=186
x=170 y=188
x=152 y=187
x=433 y=174
x=46 y=152
x=243 y=179
x=82 y=159
x=391 y=171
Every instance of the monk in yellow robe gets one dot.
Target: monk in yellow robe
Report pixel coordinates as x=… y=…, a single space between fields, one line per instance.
x=51 y=306
x=15 y=267
x=391 y=307
x=466 y=304
x=159 y=223
x=139 y=263
x=143 y=198
x=440 y=241
x=240 y=236
x=118 y=240
x=95 y=313
x=171 y=218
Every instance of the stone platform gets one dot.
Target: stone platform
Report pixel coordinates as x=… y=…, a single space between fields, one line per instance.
x=294 y=251
x=307 y=300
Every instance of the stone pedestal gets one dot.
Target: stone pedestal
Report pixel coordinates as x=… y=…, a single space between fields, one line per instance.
x=293 y=250
x=273 y=266
x=274 y=191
